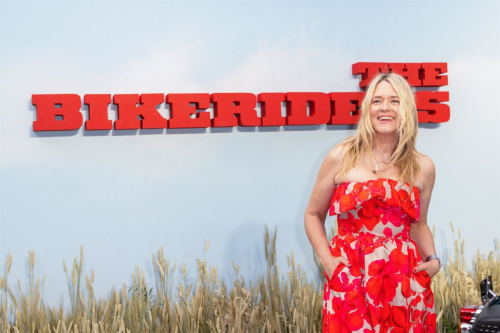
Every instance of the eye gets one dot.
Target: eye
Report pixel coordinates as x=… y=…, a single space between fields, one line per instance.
x=376 y=101
x=395 y=101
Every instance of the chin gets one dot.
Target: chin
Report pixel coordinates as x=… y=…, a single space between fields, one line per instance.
x=386 y=131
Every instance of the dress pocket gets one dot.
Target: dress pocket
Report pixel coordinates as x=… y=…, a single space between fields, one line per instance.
x=336 y=271
x=424 y=273
x=424 y=279
x=340 y=278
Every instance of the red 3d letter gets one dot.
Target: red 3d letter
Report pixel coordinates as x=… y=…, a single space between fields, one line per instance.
x=98 y=112
x=345 y=107
x=436 y=112
x=128 y=111
x=432 y=74
x=270 y=106
x=48 y=107
x=411 y=71
x=296 y=107
x=368 y=70
x=181 y=110
x=234 y=109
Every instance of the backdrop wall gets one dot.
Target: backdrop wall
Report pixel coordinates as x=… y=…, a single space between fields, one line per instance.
x=124 y=194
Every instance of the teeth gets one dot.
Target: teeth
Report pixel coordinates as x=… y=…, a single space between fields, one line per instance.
x=386 y=118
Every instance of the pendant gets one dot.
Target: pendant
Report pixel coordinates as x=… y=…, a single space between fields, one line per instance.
x=376 y=167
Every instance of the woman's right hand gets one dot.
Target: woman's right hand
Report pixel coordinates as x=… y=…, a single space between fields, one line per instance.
x=331 y=263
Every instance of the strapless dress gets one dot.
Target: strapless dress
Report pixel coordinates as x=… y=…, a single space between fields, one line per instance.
x=379 y=291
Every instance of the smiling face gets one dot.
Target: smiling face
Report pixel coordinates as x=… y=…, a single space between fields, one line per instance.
x=384 y=108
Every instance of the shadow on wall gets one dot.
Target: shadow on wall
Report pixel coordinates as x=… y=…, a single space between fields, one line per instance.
x=245 y=248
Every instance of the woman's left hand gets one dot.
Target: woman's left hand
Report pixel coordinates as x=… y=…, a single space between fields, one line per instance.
x=431 y=267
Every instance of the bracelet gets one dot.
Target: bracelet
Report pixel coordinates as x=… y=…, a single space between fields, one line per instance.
x=433 y=256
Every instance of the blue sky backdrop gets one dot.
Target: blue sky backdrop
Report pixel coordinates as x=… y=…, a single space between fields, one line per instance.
x=122 y=195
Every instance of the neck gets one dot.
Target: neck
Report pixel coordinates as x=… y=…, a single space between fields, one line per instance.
x=384 y=145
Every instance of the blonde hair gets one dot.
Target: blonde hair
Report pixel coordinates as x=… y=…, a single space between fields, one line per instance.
x=404 y=157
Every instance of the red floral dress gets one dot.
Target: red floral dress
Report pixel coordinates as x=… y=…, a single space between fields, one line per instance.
x=379 y=291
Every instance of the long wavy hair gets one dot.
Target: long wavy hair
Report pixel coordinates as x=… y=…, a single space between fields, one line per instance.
x=404 y=156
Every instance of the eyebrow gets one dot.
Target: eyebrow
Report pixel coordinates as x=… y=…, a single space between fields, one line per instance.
x=389 y=96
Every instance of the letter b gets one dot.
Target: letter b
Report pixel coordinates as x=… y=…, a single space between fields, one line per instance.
x=46 y=112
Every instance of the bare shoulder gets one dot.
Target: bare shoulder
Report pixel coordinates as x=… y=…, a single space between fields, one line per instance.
x=334 y=161
x=427 y=171
x=336 y=154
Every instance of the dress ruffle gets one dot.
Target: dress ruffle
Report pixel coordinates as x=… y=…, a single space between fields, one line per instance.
x=385 y=191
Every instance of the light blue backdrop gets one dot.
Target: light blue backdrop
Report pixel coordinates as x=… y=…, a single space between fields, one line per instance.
x=125 y=194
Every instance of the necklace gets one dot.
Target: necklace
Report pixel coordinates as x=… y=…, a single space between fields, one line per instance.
x=376 y=167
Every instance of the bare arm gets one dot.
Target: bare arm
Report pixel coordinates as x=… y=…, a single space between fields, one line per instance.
x=420 y=232
x=317 y=209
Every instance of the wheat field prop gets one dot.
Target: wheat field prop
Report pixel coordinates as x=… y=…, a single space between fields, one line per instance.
x=274 y=302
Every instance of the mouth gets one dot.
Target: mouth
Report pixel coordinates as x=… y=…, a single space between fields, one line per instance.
x=385 y=119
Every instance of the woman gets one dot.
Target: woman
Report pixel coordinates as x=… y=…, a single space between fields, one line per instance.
x=379 y=187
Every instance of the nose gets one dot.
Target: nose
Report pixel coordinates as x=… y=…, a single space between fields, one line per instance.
x=385 y=104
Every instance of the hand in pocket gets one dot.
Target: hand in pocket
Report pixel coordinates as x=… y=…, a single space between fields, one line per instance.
x=430 y=268
x=331 y=265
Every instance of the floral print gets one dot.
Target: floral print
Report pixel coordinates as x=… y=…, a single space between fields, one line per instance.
x=379 y=291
